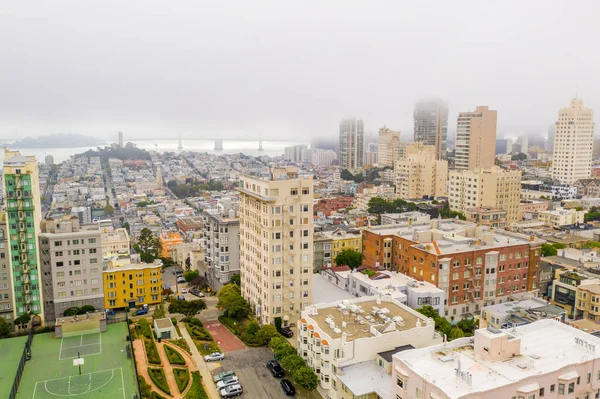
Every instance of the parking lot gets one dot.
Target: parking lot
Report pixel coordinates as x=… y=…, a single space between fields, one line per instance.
x=258 y=382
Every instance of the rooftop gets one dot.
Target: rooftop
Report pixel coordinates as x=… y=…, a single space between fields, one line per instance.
x=386 y=281
x=326 y=292
x=365 y=378
x=163 y=323
x=539 y=354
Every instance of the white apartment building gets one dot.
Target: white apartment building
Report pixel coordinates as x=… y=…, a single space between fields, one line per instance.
x=276 y=243
x=476 y=139
x=351 y=144
x=345 y=343
x=573 y=143
x=71 y=262
x=419 y=173
x=494 y=187
x=321 y=157
x=388 y=149
x=545 y=359
x=115 y=242
x=561 y=217
x=221 y=242
x=296 y=153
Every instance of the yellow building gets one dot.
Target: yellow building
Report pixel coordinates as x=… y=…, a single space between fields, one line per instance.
x=167 y=241
x=587 y=304
x=129 y=283
x=342 y=241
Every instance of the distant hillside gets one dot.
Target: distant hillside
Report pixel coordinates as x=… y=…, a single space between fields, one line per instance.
x=59 y=140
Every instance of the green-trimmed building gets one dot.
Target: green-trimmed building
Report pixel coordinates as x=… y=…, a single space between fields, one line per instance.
x=23 y=216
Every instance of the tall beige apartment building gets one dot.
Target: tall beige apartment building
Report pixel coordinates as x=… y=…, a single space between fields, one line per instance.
x=476 y=139
x=494 y=187
x=276 y=243
x=430 y=119
x=419 y=173
x=573 y=143
x=388 y=147
x=352 y=144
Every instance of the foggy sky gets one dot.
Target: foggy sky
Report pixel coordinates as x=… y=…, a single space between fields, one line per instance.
x=237 y=68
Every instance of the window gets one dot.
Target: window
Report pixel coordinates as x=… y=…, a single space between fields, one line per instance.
x=561 y=389
x=91 y=241
x=572 y=387
x=541 y=392
x=305 y=190
x=400 y=382
x=553 y=386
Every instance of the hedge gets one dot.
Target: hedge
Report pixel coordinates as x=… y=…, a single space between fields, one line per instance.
x=151 y=351
x=174 y=321
x=197 y=389
x=173 y=356
x=198 y=333
x=144 y=328
x=182 y=343
x=157 y=375
x=182 y=377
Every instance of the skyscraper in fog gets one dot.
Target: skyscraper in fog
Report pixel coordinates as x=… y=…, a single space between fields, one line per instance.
x=121 y=139
x=573 y=143
x=476 y=139
x=550 y=141
x=352 y=144
x=388 y=147
x=431 y=124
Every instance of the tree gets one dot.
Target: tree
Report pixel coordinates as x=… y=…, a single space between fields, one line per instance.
x=278 y=342
x=278 y=322
x=548 y=250
x=148 y=242
x=187 y=308
x=4 y=327
x=519 y=157
x=592 y=244
x=71 y=311
x=159 y=312
x=346 y=175
x=236 y=279
x=292 y=362
x=468 y=326
x=349 y=258
x=266 y=333
x=86 y=309
x=455 y=332
x=253 y=328
x=378 y=205
x=306 y=378
x=109 y=210
x=284 y=350
x=22 y=320
x=232 y=302
x=558 y=245
x=190 y=275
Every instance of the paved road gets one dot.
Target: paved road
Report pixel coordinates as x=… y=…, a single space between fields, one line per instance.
x=211 y=389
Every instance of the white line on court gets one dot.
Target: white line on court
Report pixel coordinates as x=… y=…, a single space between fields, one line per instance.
x=100 y=337
x=112 y=375
x=61 y=343
x=122 y=382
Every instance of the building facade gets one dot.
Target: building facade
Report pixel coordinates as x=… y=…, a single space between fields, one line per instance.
x=476 y=139
x=23 y=209
x=573 y=143
x=276 y=243
x=561 y=217
x=487 y=216
x=129 y=283
x=6 y=293
x=388 y=147
x=419 y=174
x=321 y=157
x=71 y=262
x=115 y=242
x=494 y=187
x=430 y=125
x=296 y=153
x=351 y=144
x=167 y=240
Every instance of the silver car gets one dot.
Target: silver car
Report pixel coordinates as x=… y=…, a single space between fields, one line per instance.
x=225 y=382
x=232 y=390
x=214 y=356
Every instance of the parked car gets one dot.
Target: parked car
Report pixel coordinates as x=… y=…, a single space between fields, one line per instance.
x=196 y=292
x=286 y=332
x=225 y=382
x=288 y=387
x=184 y=290
x=223 y=374
x=181 y=297
x=232 y=390
x=177 y=272
x=275 y=368
x=180 y=280
x=214 y=356
x=141 y=311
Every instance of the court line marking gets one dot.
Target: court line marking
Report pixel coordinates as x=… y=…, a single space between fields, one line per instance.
x=60 y=357
x=123 y=383
x=89 y=389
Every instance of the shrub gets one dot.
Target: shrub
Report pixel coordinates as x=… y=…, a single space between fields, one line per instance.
x=284 y=351
x=182 y=343
x=157 y=375
x=306 y=378
x=182 y=377
x=144 y=328
x=278 y=342
x=192 y=320
x=292 y=362
x=174 y=321
x=151 y=351
x=211 y=347
x=197 y=389
x=173 y=356
x=198 y=333
x=144 y=387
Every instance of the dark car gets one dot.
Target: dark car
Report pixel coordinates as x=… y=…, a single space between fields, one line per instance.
x=286 y=332
x=275 y=368
x=288 y=387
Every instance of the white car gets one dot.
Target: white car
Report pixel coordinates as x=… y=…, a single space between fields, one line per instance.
x=184 y=291
x=232 y=390
x=214 y=356
x=225 y=382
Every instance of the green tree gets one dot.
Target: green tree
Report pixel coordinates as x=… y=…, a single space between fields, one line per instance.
x=349 y=258
x=468 y=326
x=346 y=175
x=228 y=294
x=292 y=362
x=22 y=320
x=284 y=350
x=159 y=312
x=306 y=378
x=278 y=322
x=378 y=205
x=253 y=328
x=109 y=210
x=190 y=275
x=187 y=308
x=236 y=279
x=266 y=333
x=278 y=342
x=558 y=245
x=548 y=250
x=519 y=157
x=71 y=311
x=592 y=244
x=4 y=327
x=455 y=332
x=148 y=243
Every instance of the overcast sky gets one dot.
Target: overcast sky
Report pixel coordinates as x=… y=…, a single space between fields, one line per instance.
x=288 y=69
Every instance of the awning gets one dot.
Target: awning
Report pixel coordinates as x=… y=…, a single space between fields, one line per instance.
x=569 y=376
x=529 y=388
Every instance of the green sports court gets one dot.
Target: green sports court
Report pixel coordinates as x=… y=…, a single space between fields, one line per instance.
x=54 y=369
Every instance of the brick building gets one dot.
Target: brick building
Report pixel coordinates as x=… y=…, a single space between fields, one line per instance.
x=329 y=205
x=475 y=265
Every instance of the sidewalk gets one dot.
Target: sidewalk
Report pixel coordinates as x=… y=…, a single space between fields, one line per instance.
x=210 y=387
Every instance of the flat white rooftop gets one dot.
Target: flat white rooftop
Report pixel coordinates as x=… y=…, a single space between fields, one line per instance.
x=546 y=346
x=365 y=378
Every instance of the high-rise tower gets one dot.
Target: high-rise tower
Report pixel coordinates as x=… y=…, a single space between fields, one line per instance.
x=573 y=143
x=23 y=209
x=476 y=139
x=352 y=144
x=430 y=119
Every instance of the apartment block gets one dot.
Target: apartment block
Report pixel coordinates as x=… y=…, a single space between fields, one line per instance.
x=321 y=157
x=419 y=174
x=351 y=144
x=276 y=243
x=487 y=216
x=573 y=143
x=388 y=148
x=519 y=313
x=23 y=210
x=6 y=293
x=476 y=139
x=430 y=125
x=494 y=187
x=328 y=245
x=115 y=242
x=296 y=153
x=476 y=266
x=349 y=343
x=168 y=240
x=587 y=304
x=221 y=242
x=561 y=217
x=71 y=263
x=130 y=283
